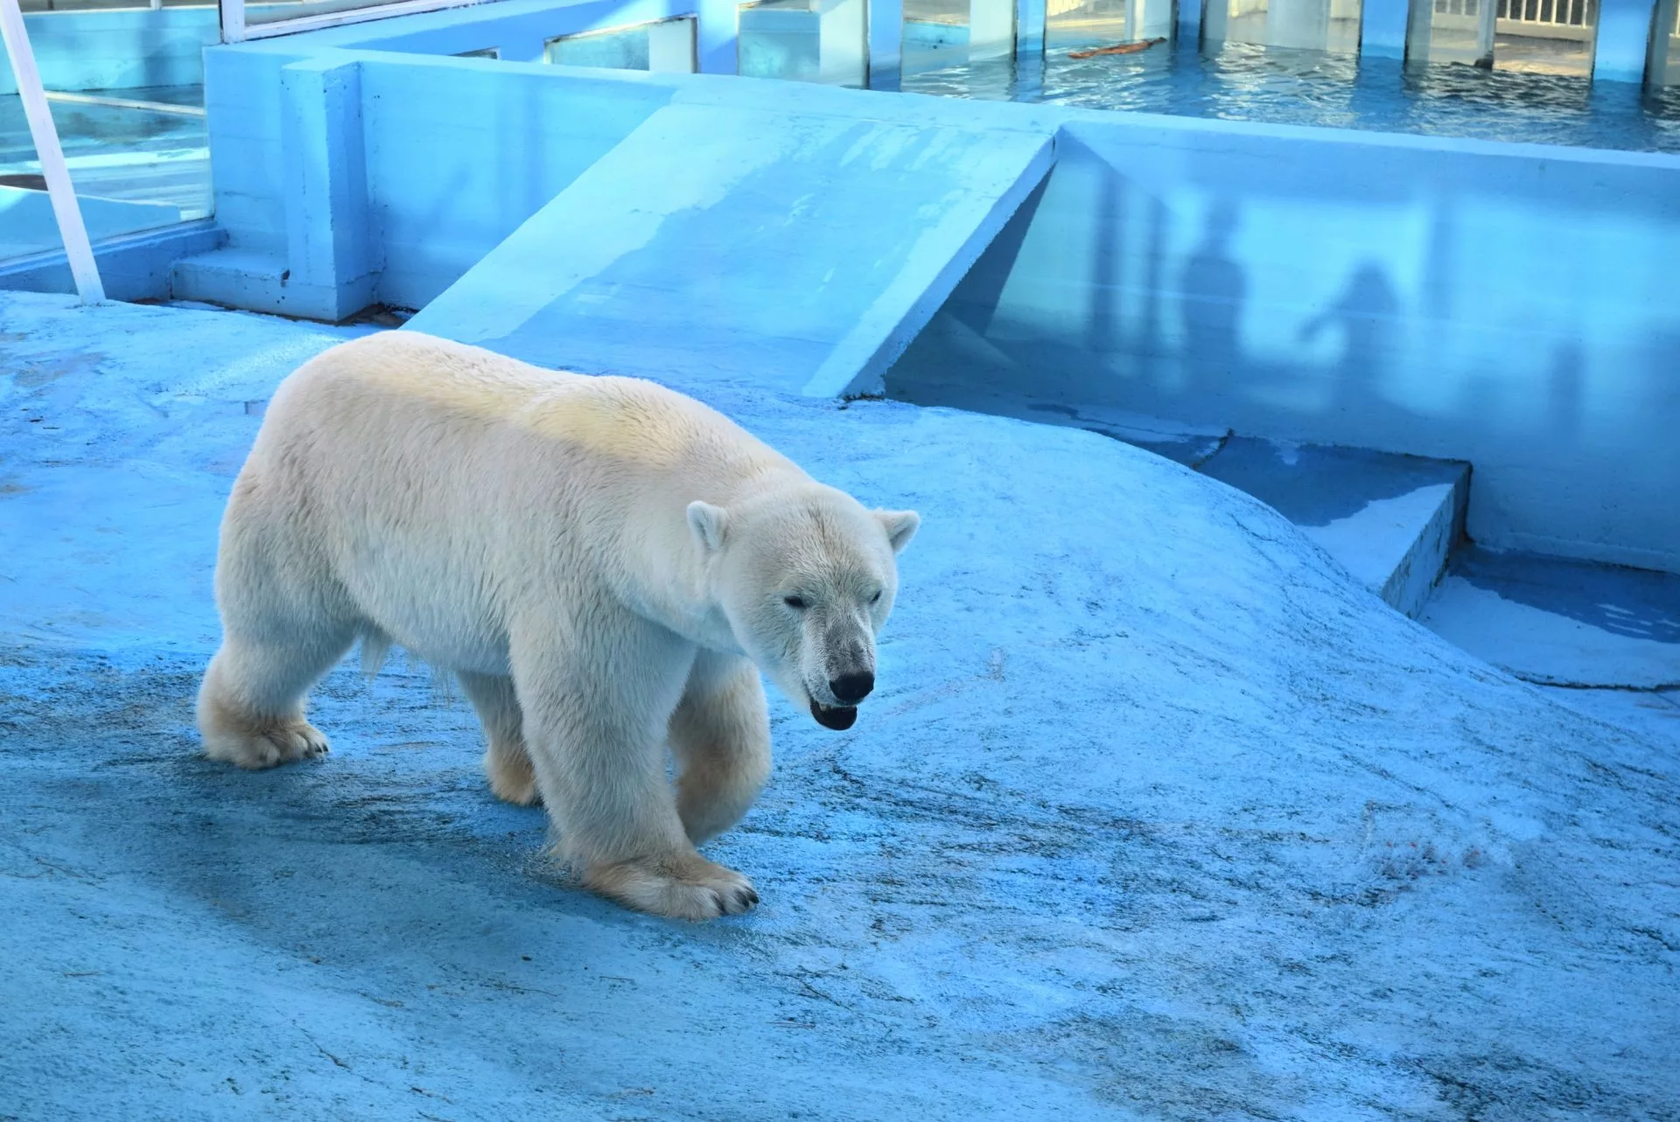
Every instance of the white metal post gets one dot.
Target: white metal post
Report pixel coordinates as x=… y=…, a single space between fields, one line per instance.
x=232 y=14
x=63 y=197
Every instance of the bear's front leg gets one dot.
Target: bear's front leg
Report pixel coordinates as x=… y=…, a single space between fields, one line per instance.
x=720 y=735
x=597 y=695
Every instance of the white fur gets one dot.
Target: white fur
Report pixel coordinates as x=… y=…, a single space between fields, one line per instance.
x=601 y=562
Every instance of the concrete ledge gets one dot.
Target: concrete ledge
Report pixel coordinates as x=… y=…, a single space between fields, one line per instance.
x=133 y=267
x=1389 y=520
x=1557 y=622
x=254 y=281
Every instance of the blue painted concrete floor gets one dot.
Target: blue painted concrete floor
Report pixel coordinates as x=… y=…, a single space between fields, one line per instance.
x=1603 y=639
x=1157 y=815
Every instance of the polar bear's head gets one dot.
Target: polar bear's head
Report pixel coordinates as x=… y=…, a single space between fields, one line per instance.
x=806 y=580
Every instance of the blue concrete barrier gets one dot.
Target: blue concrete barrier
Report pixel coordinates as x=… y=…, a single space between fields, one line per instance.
x=1501 y=304
x=802 y=251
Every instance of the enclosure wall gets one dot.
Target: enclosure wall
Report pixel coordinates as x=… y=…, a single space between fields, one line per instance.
x=1508 y=305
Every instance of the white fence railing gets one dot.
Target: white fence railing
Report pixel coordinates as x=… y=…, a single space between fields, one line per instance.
x=1573 y=13
x=1555 y=13
x=1543 y=19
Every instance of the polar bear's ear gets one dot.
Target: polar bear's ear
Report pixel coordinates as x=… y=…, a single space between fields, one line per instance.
x=900 y=526
x=707 y=523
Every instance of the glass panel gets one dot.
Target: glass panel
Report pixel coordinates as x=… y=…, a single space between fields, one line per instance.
x=1544 y=37
x=274 y=11
x=805 y=40
x=1454 y=31
x=664 y=46
x=940 y=33
x=1527 y=36
x=617 y=48
x=1310 y=25
x=1095 y=23
x=125 y=87
x=1663 y=68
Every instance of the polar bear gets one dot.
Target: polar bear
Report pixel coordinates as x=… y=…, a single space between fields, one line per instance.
x=604 y=564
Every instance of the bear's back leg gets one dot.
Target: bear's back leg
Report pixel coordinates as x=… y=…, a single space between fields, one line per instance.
x=285 y=621
x=506 y=762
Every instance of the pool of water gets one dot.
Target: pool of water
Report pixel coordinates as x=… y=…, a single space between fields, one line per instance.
x=1240 y=82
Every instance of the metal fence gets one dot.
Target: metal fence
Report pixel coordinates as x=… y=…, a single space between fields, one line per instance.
x=1555 y=13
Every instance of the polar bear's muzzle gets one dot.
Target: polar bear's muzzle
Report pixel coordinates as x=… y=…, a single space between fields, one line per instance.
x=837 y=717
x=847 y=687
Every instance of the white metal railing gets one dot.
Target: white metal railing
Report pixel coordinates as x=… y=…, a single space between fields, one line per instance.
x=1545 y=19
x=1551 y=13
x=1140 y=16
x=1554 y=13
x=235 y=28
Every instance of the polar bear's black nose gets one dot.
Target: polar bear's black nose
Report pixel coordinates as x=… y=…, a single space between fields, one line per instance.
x=849 y=689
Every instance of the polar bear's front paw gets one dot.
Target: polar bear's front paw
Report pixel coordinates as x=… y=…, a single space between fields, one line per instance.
x=690 y=888
x=264 y=748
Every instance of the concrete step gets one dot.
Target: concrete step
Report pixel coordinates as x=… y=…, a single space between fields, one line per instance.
x=1390 y=520
x=1559 y=622
x=260 y=282
x=1600 y=638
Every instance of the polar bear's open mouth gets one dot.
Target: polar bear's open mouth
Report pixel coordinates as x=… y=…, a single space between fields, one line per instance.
x=833 y=716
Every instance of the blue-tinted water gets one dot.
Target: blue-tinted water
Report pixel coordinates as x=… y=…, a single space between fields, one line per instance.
x=1250 y=83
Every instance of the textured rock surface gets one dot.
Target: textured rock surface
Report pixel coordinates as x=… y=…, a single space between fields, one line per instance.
x=1155 y=815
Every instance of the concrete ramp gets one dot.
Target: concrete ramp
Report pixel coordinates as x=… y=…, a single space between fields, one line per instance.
x=801 y=252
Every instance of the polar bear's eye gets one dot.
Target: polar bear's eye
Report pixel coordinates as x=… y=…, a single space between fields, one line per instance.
x=794 y=601
x=875 y=599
